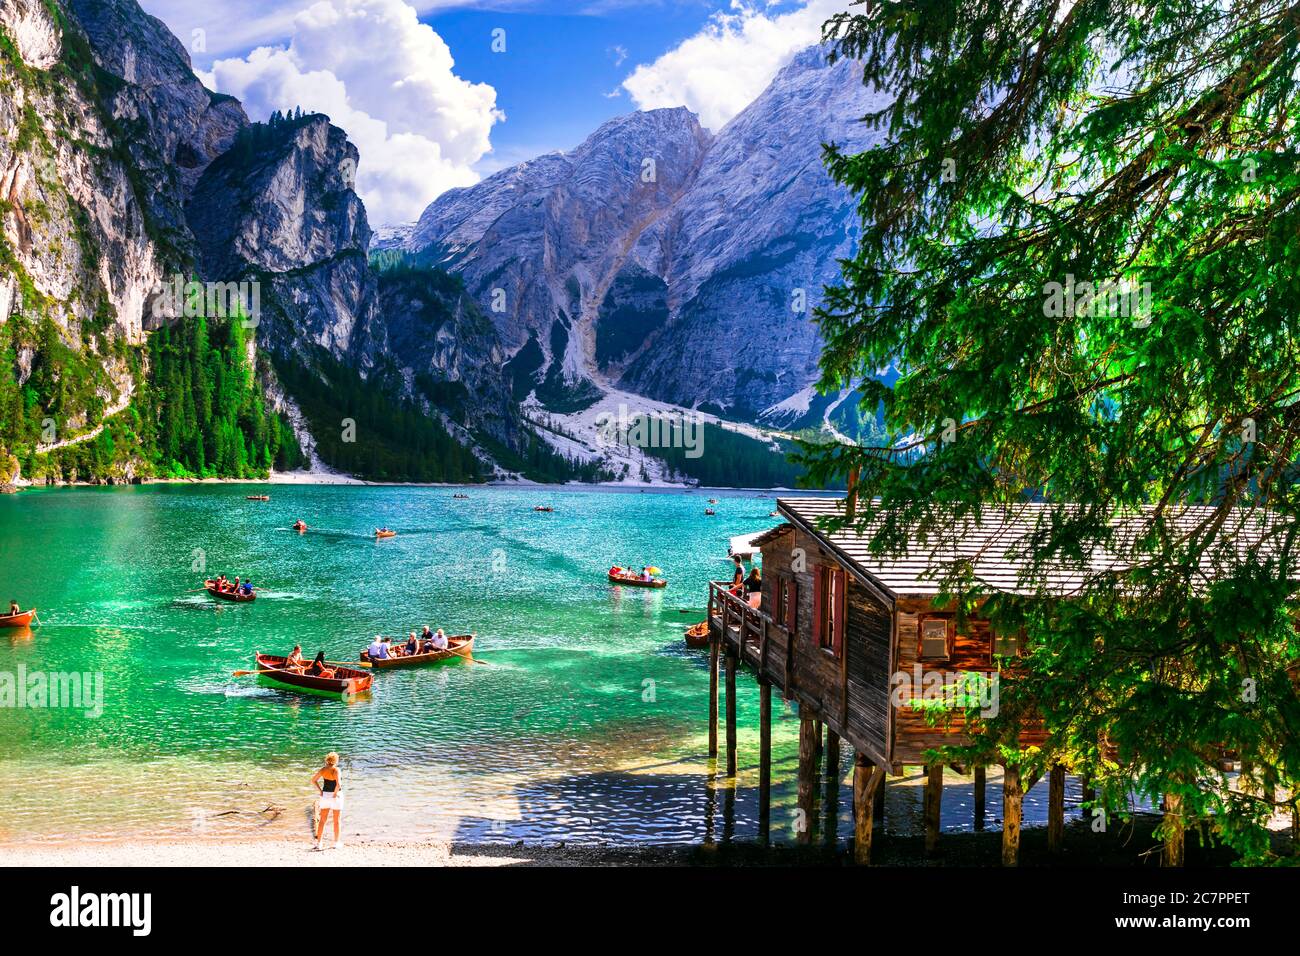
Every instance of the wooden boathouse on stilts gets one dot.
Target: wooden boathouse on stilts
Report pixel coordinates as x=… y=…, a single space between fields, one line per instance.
x=833 y=630
x=841 y=632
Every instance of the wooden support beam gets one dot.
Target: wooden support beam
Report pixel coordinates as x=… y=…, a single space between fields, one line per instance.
x=933 y=805
x=868 y=783
x=764 y=758
x=1056 y=809
x=714 y=647
x=1011 y=798
x=807 y=778
x=1295 y=822
x=1174 y=827
x=979 y=786
x=832 y=756
x=731 y=712
x=880 y=797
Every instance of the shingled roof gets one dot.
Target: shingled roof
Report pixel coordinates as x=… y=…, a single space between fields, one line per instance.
x=997 y=544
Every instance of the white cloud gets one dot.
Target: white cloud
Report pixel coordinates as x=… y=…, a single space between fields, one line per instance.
x=235 y=26
x=723 y=68
x=389 y=82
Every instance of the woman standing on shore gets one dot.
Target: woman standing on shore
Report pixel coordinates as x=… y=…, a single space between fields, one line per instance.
x=329 y=783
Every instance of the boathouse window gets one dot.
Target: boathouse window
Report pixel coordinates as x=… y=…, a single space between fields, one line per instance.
x=830 y=608
x=783 y=600
x=935 y=638
x=1007 y=645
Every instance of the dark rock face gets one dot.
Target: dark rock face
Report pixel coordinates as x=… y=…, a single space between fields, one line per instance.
x=278 y=208
x=698 y=293
x=539 y=244
x=172 y=126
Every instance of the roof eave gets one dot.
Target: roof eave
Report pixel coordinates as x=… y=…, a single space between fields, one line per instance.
x=878 y=588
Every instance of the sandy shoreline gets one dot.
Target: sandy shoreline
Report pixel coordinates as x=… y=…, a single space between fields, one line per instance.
x=279 y=852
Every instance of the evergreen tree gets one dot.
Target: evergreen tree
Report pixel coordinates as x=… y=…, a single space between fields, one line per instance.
x=1035 y=152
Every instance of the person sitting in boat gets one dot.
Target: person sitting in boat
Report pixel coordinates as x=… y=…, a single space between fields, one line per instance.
x=294 y=662
x=246 y=588
x=317 y=666
x=412 y=645
x=220 y=582
x=645 y=574
x=439 y=641
x=426 y=640
x=15 y=609
x=378 y=650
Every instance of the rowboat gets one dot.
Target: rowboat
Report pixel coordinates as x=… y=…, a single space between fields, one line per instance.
x=229 y=595
x=459 y=645
x=385 y=533
x=543 y=508
x=616 y=576
x=709 y=511
x=697 y=635
x=345 y=682
x=300 y=526
x=21 y=619
x=257 y=497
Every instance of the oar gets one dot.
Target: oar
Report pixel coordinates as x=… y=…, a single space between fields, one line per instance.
x=268 y=670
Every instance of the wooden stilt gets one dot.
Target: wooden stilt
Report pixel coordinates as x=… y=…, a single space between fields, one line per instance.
x=807 y=778
x=1011 y=797
x=830 y=812
x=933 y=805
x=868 y=781
x=1056 y=809
x=764 y=758
x=832 y=756
x=880 y=797
x=1295 y=822
x=731 y=713
x=979 y=786
x=714 y=647
x=1174 y=827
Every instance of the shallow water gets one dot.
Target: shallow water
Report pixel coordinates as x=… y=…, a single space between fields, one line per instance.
x=585 y=720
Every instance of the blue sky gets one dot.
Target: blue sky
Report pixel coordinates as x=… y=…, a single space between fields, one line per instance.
x=420 y=89
x=554 y=82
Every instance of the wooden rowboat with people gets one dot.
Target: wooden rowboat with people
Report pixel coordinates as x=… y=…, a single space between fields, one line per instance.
x=619 y=575
x=341 y=682
x=458 y=646
x=697 y=635
x=385 y=533
x=257 y=497
x=21 y=619
x=239 y=597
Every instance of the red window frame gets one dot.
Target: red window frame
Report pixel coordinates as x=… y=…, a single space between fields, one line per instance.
x=830 y=608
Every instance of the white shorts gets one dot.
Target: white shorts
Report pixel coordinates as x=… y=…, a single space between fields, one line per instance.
x=331 y=801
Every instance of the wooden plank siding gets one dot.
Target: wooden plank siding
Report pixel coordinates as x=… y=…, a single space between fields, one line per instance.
x=972 y=650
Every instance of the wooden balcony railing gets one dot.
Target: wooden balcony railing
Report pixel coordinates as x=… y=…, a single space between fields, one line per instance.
x=750 y=630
